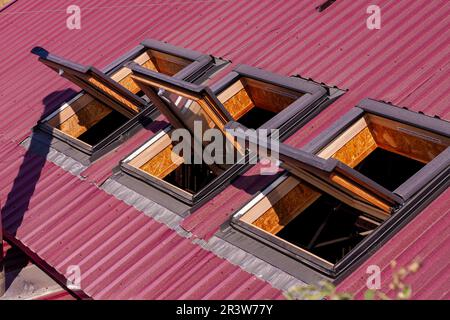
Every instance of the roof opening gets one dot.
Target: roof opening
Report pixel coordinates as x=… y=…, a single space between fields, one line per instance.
x=371 y=171
x=310 y=220
x=254 y=102
x=252 y=96
x=191 y=177
x=401 y=149
x=327 y=228
x=395 y=170
x=156 y=163
x=111 y=103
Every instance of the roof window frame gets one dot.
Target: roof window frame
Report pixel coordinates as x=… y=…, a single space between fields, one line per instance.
x=416 y=192
x=198 y=70
x=299 y=112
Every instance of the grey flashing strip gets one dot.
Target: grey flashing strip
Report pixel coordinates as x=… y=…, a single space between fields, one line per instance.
x=119 y=62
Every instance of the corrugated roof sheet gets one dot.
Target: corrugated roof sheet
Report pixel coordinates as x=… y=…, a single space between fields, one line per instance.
x=425 y=239
x=406 y=62
x=24 y=280
x=121 y=252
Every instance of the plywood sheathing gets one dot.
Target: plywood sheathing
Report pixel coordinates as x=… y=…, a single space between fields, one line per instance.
x=239 y=104
x=405 y=144
x=268 y=99
x=287 y=208
x=356 y=149
x=162 y=164
x=84 y=119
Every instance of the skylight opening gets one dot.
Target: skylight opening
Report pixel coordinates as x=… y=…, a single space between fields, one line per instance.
x=371 y=171
x=112 y=105
x=384 y=150
x=310 y=220
x=248 y=95
x=157 y=161
x=252 y=102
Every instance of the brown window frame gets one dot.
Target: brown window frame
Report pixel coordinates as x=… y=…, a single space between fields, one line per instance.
x=101 y=86
x=310 y=101
x=413 y=195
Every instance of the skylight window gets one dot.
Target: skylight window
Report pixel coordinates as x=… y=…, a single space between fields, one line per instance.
x=249 y=95
x=112 y=104
x=372 y=171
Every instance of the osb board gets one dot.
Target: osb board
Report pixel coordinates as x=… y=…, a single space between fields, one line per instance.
x=269 y=99
x=168 y=67
x=70 y=108
x=3 y=2
x=123 y=75
x=114 y=94
x=405 y=144
x=85 y=118
x=358 y=148
x=287 y=208
x=239 y=104
x=162 y=164
x=337 y=143
x=152 y=150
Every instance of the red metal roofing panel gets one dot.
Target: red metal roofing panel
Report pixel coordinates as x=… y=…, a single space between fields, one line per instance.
x=122 y=254
x=405 y=62
x=61 y=295
x=400 y=63
x=425 y=239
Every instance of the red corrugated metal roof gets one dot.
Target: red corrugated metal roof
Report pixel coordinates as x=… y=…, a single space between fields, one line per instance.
x=405 y=62
x=121 y=252
x=61 y=295
x=425 y=239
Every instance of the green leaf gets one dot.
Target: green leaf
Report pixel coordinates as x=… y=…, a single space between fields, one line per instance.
x=369 y=294
x=405 y=293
